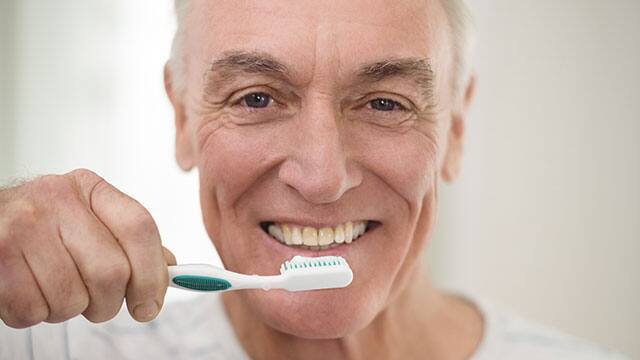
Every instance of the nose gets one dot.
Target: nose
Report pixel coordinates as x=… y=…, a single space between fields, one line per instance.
x=318 y=167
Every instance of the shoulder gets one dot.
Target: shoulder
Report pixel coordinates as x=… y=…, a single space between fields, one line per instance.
x=521 y=337
x=509 y=336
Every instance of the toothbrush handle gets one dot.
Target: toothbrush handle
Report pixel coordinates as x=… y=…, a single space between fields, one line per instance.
x=204 y=277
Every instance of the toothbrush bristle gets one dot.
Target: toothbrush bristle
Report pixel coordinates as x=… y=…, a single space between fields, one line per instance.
x=306 y=263
x=327 y=272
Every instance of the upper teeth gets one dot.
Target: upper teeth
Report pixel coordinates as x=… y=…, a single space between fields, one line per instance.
x=309 y=236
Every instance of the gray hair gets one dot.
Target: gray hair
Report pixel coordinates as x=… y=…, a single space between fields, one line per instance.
x=462 y=40
x=462 y=32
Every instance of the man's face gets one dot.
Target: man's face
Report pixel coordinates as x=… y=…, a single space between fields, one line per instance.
x=315 y=114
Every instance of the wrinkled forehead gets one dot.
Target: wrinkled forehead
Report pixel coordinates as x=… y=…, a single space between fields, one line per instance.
x=307 y=35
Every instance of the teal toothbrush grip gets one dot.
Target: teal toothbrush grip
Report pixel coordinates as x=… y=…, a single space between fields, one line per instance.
x=201 y=283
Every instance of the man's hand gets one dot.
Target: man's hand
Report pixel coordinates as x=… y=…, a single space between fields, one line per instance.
x=73 y=244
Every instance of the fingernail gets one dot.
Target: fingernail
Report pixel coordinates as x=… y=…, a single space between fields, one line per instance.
x=146 y=311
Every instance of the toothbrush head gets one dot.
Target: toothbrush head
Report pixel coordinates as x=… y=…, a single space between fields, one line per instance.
x=315 y=273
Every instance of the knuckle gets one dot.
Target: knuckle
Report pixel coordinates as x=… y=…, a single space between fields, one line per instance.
x=153 y=283
x=148 y=284
x=20 y=213
x=24 y=314
x=70 y=308
x=140 y=223
x=86 y=180
x=54 y=187
x=83 y=173
x=16 y=219
x=78 y=305
x=49 y=183
x=110 y=277
x=101 y=316
x=71 y=300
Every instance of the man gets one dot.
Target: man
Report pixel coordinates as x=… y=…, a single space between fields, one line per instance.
x=303 y=119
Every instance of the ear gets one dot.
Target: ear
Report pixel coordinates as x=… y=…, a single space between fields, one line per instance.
x=455 y=142
x=184 y=148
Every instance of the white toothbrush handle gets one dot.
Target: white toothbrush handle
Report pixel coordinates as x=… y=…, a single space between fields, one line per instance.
x=205 y=277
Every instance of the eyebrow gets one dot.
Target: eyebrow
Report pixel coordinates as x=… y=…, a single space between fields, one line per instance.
x=417 y=69
x=233 y=63
x=248 y=62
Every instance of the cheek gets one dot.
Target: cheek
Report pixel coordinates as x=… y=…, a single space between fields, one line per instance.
x=230 y=159
x=219 y=161
x=404 y=167
x=406 y=162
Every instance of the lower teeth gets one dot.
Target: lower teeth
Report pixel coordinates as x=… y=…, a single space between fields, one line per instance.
x=318 y=247
x=315 y=248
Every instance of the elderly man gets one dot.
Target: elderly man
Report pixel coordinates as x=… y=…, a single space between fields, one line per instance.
x=305 y=120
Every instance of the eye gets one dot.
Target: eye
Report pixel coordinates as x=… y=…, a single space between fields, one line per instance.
x=257 y=100
x=382 y=104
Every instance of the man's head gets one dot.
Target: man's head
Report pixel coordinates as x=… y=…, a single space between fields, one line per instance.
x=312 y=115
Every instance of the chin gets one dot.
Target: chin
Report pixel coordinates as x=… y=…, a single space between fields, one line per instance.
x=320 y=314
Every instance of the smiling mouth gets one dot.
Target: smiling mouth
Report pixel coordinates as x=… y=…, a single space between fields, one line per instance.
x=310 y=238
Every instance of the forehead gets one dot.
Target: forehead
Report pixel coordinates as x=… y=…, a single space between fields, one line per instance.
x=311 y=35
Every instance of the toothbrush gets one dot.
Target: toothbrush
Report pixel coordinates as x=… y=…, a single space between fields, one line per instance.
x=298 y=274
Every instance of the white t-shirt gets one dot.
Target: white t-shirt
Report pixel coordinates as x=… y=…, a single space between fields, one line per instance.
x=199 y=329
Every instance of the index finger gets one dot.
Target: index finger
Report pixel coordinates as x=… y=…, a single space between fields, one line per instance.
x=136 y=232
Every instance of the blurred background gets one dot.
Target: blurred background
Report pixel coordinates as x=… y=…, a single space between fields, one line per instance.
x=544 y=219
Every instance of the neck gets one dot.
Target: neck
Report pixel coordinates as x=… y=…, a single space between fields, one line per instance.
x=420 y=322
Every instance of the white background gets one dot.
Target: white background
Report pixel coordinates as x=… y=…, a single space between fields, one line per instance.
x=544 y=219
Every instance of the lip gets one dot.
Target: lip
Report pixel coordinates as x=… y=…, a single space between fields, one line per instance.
x=289 y=252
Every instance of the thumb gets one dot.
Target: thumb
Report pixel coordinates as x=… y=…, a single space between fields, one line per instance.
x=168 y=256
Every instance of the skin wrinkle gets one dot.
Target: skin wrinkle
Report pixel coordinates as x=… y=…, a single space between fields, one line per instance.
x=39 y=283
x=374 y=71
x=240 y=184
x=344 y=19
x=234 y=64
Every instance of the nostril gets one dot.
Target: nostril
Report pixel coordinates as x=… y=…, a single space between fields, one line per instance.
x=318 y=182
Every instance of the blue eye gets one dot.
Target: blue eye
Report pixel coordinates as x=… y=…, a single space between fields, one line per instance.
x=257 y=100
x=385 y=104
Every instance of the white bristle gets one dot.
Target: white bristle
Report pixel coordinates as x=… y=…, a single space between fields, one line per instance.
x=300 y=262
x=303 y=273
